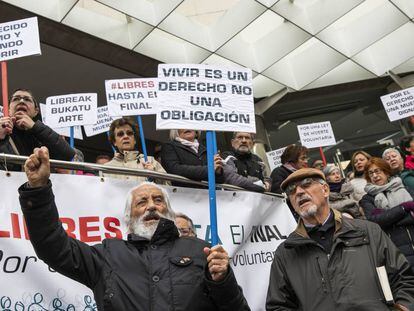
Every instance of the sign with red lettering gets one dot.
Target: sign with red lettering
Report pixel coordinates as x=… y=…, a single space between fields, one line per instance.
x=131 y=97
x=19 y=38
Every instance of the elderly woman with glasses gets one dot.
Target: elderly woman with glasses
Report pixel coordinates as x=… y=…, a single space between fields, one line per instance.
x=389 y=204
x=122 y=133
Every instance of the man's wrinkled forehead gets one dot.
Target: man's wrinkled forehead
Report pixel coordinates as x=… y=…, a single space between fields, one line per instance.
x=147 y=190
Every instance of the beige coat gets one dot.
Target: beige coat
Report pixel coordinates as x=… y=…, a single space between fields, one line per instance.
x=134 y=159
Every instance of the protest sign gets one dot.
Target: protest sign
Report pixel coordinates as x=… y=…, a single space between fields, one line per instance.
x=273 y=157
x=71 y=110
x=19 y=38
x=65 y=131
x=316 y=134
x=103 y=123
x=203 y=97
x=251 y=236
x=131 y=97
x=399 y=105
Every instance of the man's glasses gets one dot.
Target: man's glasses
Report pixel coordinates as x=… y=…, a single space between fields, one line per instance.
x=304 y=184
x=26 y=99
x=122 y=133
x=376 y=171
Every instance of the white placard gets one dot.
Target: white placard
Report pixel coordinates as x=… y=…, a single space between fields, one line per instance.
x=103 y=123
x=399 y=105
x=250 y=236
x=314 y=135
x=65 y=131
x=203 y=97
x=273 y=157
x=19 y=38
x=71 y=110
x=131 y=97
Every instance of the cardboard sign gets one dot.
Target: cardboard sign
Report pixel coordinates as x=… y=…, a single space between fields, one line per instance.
x=273 y=157
x=19 y=38
x=71 y=110
x=131 y=97
x=65 y=131
x=103 y=123
x=316 y=134
x=203 y=97
x=399 y=105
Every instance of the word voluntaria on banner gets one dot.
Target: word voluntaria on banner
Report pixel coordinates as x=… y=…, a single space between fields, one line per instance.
x=316 y=134
x=71 y=110
x=129 y=97
x=205 y=97
x=19 y=38
x=399 y=105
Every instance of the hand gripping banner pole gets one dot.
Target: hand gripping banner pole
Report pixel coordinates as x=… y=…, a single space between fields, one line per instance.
x=212 y=187
x=142 y=136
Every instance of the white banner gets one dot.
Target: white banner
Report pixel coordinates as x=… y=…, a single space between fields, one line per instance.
x=203 y=97
x=131 y=97
x=71 y=110
x=273 y=157
x=65 y=131
x=102 y=125
x=314 y=135
x=399 y=105
x=251 y=226
x=19 y=38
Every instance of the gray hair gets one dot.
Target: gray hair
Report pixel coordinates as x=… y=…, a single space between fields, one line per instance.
x=252 y=135
x=388 y=150
x=189 y=220
x=128 y=203
x=174 y=134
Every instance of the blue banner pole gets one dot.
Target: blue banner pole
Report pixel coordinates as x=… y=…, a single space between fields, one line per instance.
x=141 y=135
x=214 y=142
x=212 y=187
x=72 y=137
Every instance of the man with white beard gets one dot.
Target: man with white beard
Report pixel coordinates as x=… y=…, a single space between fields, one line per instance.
x=330 y=262
x=154 y=269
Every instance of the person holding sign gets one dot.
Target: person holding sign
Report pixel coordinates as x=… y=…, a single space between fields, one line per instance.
x=186 y=157
x=154 y=269
x=122 y=133
x=330 y=262
x=23 y=131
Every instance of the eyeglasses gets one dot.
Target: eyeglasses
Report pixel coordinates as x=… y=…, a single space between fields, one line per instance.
x=376 y=171
x=18 y=98
x=185 y=231
x=304 y=184
x=122 y=133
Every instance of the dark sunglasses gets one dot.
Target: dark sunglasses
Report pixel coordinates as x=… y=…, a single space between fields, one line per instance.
x=304 y=184
x=122 y=133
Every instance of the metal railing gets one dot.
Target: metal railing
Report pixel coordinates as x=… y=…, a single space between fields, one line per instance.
x=107 y=169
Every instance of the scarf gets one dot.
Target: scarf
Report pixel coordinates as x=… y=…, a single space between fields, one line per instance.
x=389 y=195
x=335 y=186
x=290 y=167
x=192 y=144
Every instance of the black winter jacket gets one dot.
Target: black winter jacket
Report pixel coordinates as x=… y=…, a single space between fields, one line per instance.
x=278 y=175
x=166 y=273
x=396 y=222
x=304 y=277
x=179 y=159
x=39 y=135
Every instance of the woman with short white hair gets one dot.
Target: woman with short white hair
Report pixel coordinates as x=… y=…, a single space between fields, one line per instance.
x=394 y=159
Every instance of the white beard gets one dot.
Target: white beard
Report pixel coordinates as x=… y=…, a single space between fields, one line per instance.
x=144 y=229
x=310 y=212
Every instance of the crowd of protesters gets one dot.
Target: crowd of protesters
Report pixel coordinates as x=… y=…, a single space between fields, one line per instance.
x=378 y=190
